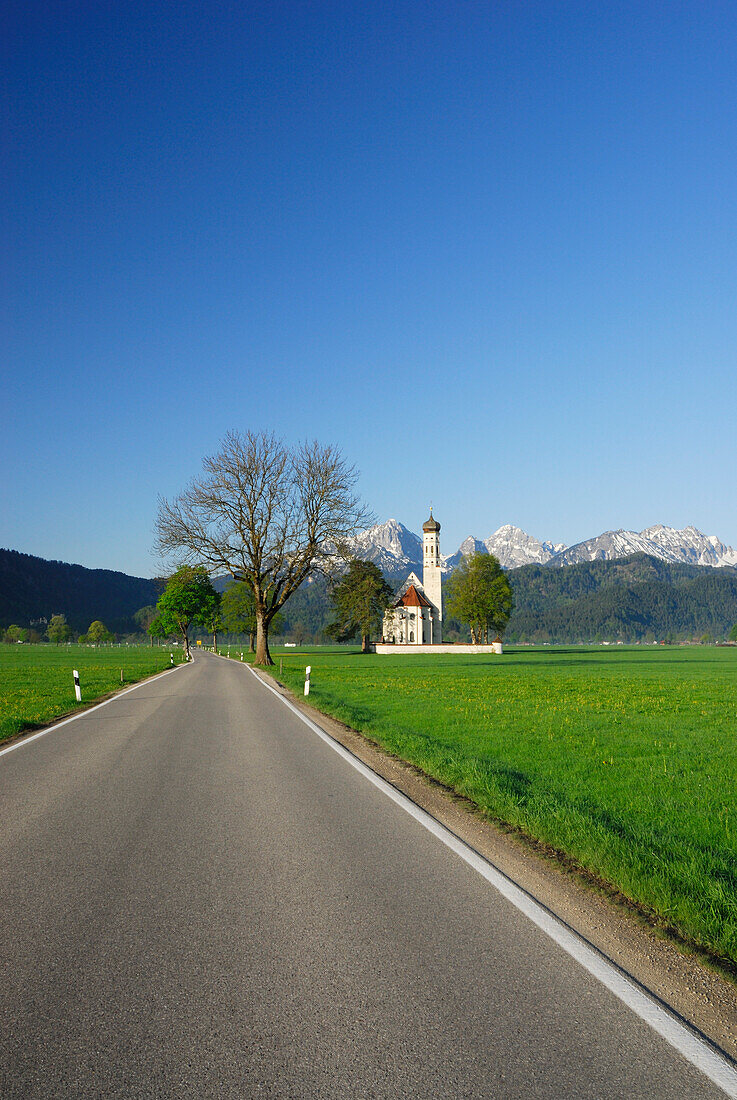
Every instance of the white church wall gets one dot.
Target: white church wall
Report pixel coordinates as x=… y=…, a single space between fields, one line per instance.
x=384 y=649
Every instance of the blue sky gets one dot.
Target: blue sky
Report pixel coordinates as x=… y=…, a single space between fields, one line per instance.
x=488 y=249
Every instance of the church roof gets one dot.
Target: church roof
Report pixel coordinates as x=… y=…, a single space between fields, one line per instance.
x=431 y=524
x=412 y=598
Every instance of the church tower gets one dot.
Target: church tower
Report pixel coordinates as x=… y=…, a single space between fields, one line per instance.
x=431 y=573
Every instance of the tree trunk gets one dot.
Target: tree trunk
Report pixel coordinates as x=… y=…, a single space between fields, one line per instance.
x=251 y=640
x=365 y=643
x=215 y=642
x=185 y=637
x=263 y=657
x=473 y=635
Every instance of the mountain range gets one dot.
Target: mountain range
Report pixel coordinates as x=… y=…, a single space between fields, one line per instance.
x=396 y=549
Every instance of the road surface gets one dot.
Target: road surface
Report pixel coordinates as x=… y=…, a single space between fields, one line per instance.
x=200 y=898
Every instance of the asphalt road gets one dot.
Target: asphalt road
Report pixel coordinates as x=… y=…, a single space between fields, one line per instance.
x=200 y=898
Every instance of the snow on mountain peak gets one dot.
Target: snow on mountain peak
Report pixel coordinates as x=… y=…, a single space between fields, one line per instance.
x=391 y=545
x=689 y=546
x=395 y=548
x=513 y=547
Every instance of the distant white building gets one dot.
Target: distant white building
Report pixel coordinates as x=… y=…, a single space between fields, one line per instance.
x=416 y=617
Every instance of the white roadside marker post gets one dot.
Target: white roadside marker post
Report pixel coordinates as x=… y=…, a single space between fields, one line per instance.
x=77 y=689
x=171 y=655
x=308 y=670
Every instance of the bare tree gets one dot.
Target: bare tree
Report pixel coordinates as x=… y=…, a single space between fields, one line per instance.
x=267 y=514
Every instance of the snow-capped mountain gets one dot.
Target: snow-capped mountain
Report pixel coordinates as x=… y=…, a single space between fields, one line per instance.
x=605 y=547
x=689 y=545
x=391 y=545
x=692 y=546
x=396 y=549
x=513 y=547
x=468 y=546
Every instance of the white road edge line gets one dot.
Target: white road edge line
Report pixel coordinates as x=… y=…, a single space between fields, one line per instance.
x=90 y=710
x=705 y=1058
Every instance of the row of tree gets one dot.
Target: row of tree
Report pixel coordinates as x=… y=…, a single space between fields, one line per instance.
x=59 y=631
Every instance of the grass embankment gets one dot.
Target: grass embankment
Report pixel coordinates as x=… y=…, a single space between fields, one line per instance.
x=37 y=686
x=625 y=760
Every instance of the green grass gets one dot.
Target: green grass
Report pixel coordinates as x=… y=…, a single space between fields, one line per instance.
x=624 y=759
x=37 y=685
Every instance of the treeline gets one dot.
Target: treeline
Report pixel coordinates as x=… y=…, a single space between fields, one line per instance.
x=32 y=590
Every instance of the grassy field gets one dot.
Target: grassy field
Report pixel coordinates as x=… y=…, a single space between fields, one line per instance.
x=624 y=759
x=37 y=685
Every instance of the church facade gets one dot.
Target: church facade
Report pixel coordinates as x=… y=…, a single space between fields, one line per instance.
x=416 y=617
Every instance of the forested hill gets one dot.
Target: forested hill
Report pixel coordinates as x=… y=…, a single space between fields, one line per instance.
x=633 y=599
x=32 y=588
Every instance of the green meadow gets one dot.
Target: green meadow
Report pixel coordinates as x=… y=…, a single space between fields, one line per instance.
x=37 y=683
x=624 y=759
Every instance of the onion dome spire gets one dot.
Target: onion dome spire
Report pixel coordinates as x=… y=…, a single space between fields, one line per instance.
x=431 y=524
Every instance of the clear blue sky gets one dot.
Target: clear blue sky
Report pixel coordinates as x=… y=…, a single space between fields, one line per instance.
x=488 y=249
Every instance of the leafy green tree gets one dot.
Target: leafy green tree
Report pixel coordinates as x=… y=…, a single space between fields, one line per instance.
x=157 y=628
x=144 y=617
x=213 y=621
x=58 y=629
x=188 y=597
x=360 y=598
x=299 y=632
x=733 y=633
x=98 y=633
x=238 y=608
x=479 y=594
x=15 y=634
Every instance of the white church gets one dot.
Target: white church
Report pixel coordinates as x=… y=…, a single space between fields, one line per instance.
x=416 y=617
x=415 y=620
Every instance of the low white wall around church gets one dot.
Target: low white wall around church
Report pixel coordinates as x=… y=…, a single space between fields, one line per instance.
x=399 y=649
